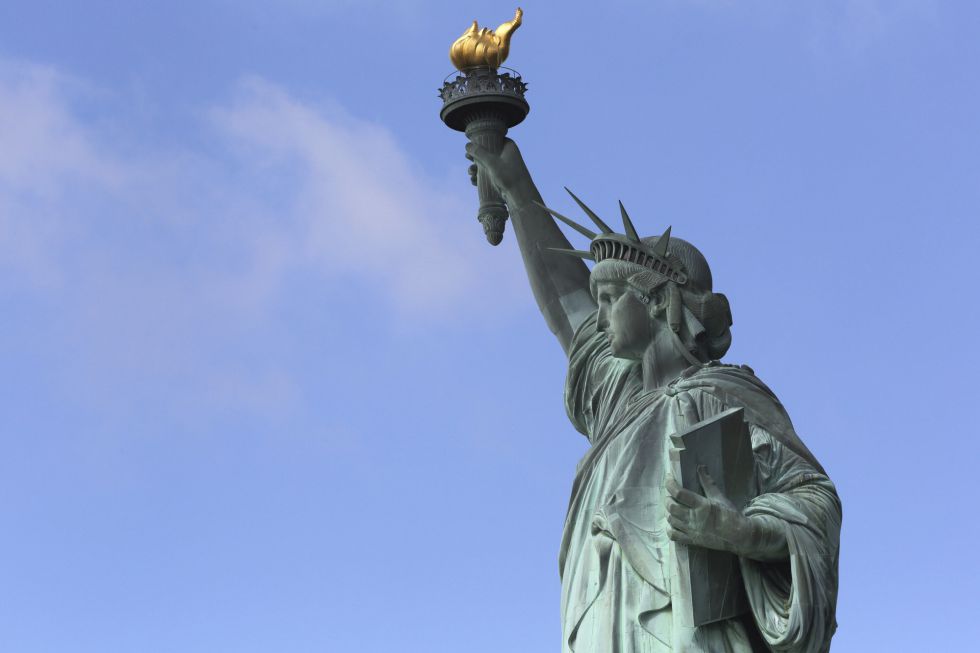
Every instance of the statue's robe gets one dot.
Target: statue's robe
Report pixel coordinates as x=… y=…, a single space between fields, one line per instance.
x=616 y=562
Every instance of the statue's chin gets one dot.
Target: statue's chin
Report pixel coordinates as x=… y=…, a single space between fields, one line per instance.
x=618 y=352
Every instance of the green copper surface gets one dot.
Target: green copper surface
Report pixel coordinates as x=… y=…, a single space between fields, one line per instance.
x=698 y=520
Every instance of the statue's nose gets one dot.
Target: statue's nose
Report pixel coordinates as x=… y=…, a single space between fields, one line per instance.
x=601 y=323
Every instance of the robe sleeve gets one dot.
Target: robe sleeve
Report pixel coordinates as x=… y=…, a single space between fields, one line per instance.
x=794 y=601
x=596 y=380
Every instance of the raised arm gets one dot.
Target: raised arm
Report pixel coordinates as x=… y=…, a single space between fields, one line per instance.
x=560 y=283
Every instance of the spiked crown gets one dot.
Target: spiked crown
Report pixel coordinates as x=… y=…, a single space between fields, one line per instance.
x=623 y=247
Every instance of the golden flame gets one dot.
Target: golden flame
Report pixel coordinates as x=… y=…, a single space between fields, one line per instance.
x=481 y=47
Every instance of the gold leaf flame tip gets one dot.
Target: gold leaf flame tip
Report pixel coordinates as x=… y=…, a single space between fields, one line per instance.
x=484 y=47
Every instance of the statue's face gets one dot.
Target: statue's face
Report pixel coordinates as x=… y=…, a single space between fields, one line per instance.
x=624 y=319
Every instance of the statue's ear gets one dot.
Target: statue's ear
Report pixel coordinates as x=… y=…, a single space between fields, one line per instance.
x=658 y=301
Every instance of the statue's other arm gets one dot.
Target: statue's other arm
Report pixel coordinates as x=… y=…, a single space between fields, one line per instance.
x=560 y=283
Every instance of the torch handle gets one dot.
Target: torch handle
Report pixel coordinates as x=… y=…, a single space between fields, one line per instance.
x=488 y=131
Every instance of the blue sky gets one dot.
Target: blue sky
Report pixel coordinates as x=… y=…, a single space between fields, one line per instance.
x=268 y=389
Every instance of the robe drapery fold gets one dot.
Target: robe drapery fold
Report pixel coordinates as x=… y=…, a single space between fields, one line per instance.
x=616 y=561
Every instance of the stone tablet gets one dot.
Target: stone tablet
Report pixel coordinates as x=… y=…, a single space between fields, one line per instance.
x=723 y=445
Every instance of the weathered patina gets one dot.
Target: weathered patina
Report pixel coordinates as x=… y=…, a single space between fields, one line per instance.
x=644 y=331
x=658 y=553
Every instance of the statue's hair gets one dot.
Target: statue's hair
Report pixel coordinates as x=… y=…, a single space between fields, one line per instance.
x=710 y=308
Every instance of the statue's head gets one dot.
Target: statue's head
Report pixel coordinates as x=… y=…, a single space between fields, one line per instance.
x=649 y=287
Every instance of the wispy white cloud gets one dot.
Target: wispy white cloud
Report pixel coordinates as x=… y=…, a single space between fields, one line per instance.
x=832 y=28
x=853 y=27
x=361 y=207
x=45 y=153
x=43 y=143
x=164 y=264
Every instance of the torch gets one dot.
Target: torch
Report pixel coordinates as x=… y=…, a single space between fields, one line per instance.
x=484 y=103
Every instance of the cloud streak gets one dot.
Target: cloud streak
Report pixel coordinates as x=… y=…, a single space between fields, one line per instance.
x=360 y=207
x=165 y=265
x=833 y=28
x=45 y=156
x=854 y=27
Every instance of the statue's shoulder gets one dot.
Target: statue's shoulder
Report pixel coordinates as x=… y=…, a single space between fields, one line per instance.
x=721 y=377
x=737 y=385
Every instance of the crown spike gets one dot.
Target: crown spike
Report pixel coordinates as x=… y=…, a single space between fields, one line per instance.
x=661 y=247
x=628 y=224
x=571 y=223
x=574 y=252
x=603 y=227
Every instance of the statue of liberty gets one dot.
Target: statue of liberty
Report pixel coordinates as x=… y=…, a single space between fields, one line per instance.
x=644 y=331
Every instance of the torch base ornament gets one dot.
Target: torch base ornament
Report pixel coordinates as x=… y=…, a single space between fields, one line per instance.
x=483 y=89
x=484 y=103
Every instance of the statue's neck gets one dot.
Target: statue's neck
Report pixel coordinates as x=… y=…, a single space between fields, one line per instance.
x=661 y=362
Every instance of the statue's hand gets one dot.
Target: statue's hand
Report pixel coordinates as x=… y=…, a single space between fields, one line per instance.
x=506 y=170
x=710 y=521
